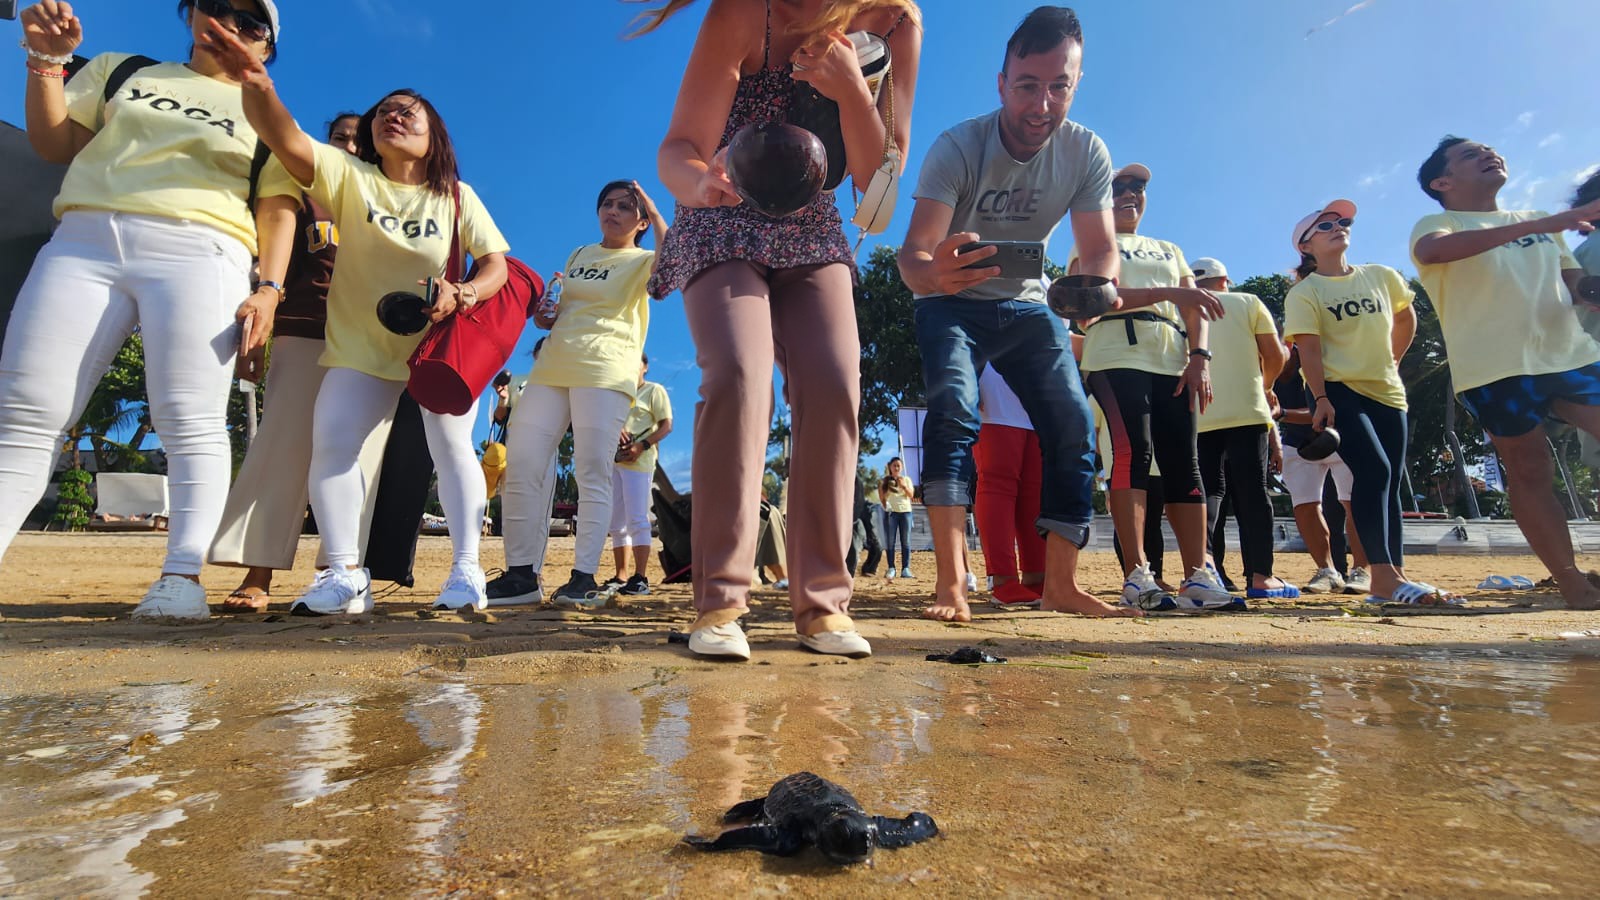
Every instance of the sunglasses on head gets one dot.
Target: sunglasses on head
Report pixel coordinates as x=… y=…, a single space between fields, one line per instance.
x=1127 y=185
x=246 y=24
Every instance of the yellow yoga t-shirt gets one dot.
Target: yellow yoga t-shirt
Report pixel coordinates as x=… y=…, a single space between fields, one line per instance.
x=897 y=498
x=605 y=313
x=1505 y=312
x=1158 y=347
x=391 y=236
x=1238 y=397
x=1354 y=316
x=171 y=143
x=650 y=405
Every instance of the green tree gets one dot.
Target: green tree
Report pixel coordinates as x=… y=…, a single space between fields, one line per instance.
x=891 y=364
x=1270 y=288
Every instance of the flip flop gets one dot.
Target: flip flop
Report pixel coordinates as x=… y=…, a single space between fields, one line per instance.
x=1523 y=582
x=1418 y=593
x=241 y=600
x=1498 y=583
x=1287 y=592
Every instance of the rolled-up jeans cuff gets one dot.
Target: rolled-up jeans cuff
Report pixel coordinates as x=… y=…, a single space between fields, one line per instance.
x=946 y=493
x=1076 y=534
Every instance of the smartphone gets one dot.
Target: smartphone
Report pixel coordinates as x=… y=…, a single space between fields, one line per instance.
x=1016 y=259
x=430 y=292
x=8 y=9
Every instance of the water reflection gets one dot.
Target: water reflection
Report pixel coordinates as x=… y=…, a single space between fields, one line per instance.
x=1137 y=776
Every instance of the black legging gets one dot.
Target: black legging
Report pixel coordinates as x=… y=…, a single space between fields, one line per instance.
x=1372 y=442
x=1233 y=461
x=1155 y=540
x=1138 y=404
x=403 y=487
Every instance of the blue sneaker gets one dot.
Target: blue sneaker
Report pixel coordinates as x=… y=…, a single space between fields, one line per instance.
x=905 y=571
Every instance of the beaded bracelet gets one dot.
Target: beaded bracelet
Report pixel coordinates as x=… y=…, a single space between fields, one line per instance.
x=46 y=73
x=44 y=57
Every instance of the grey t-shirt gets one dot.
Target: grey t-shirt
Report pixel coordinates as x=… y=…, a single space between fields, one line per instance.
x=1000 y=199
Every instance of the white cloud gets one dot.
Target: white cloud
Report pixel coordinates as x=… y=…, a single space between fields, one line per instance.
x=1377 y=177
x=1357 y=7
x=1523 y=121
x=1550 y=139
x=383 y=14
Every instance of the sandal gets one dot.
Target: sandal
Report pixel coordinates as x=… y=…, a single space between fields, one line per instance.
x=1418 y=593
x=242 y=600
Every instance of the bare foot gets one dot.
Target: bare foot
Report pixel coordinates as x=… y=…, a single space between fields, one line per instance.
x=1086 y=604
x=1578 y=591
x=954 y=609
x=246 y=599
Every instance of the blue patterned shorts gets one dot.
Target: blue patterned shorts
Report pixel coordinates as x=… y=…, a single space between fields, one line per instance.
x=1514 y=406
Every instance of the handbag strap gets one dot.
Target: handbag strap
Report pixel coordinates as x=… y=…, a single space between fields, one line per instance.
x=454 y=265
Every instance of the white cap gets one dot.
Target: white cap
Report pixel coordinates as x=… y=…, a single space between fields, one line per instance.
x=1206 y=267
x=1344 y=209
x=271 y=9
x=1133 y=170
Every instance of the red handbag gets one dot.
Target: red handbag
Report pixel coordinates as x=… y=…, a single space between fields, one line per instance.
x=459 y=356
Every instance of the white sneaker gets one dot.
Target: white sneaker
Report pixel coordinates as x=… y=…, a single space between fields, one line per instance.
x=838 y=643
x=464 y=588
x=336 y=592
x=1140 y=591
x=1203 y=590
x=972 y=583
x=1326 y=581
x=893 y=573
x=725 y=640
x=1359 y=581
x=174 y=597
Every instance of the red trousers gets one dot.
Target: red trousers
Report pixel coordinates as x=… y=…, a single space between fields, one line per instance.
x=1010 y=472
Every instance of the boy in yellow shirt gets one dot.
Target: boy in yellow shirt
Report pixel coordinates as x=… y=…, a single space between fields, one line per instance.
x=1503 y=283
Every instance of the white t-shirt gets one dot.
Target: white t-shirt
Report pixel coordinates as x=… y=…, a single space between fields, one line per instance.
x=998 y=404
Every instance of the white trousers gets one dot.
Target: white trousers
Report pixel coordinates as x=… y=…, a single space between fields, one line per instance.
x=102 y=275
x=630 y=507
x=266 y=509
x=351 y=407
x=533 y=438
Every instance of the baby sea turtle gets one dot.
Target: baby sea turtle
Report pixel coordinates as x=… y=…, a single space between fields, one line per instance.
x=806 y=809
x=966 y=656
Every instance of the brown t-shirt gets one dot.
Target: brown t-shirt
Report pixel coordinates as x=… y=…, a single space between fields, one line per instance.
x=304 y=310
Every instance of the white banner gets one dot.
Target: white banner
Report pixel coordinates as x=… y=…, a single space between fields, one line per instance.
x=909 y=423
x=1491 y=474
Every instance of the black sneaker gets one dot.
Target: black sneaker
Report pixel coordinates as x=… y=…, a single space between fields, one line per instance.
x=612 y=580
x=511 y=589
x=637 y=585
x=580 y=592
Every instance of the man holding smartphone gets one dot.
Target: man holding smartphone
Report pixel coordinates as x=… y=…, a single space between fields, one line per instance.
x=1012 y=174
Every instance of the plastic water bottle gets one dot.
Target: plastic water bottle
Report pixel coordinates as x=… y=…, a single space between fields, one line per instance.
x=550 y=304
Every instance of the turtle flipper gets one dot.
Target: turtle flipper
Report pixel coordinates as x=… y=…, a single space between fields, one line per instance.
x=766 y=838
x=746 y=811
x=893 y=833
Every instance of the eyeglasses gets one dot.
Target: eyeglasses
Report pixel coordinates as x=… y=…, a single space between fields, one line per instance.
x=1029 y=91
x=246 y=24
x=1128 y=186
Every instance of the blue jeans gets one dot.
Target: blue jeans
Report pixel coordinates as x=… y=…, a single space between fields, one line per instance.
x=897 y=524
x=1029 y=346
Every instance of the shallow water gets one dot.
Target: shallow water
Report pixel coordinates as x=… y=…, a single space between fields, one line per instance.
x=1439 y=775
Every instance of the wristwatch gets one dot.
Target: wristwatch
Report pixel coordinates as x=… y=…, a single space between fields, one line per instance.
x=1201 y=352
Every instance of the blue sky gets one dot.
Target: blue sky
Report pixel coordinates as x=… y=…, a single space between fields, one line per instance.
x=1250 y=113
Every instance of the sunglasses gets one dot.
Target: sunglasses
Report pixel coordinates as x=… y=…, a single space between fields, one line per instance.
x=1329 y=225
x=1127 y=185
x=246 y=24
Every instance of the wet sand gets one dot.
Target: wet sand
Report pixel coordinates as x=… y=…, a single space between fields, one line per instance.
x=1308 y=747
